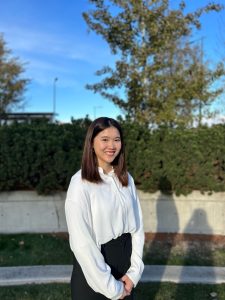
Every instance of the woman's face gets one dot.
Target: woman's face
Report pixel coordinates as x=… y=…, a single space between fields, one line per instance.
x=107 y=145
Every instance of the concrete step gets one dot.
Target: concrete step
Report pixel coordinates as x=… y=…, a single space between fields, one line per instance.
x=152 y=273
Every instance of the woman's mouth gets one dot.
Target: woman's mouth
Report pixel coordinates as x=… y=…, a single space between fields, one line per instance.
x=110 y=153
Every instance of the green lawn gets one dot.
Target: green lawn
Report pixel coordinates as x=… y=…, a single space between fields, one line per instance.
x=147 y=291
x=50 y=249
x=47 y=249
x=186 y=253
x=34 y=249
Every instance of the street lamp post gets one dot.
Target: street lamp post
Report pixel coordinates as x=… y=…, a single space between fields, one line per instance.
x=95 y=108
x=54 y=98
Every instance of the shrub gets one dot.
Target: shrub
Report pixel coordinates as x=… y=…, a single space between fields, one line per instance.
x=44 y=156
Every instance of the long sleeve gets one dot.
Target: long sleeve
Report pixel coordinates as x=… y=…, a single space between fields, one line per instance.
x=137 y=265
x=83 y=243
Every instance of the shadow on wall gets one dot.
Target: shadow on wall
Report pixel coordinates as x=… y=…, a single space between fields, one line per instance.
x=169 y=224
x=161 y=246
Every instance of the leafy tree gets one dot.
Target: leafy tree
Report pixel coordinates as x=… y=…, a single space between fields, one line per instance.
x=160 y=73
x=12 y=86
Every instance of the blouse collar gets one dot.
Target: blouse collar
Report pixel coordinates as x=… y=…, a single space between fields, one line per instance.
x=101 y=171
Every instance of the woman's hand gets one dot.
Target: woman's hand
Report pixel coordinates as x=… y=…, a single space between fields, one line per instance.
x=128 y=283
x=128 y=286
x=125 y=293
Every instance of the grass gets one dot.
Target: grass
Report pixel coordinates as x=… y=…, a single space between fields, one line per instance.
x=51 y=249
x=42 y=249
x=34 y=249
x=144 y=291
x=36 y=292
x=186 y=253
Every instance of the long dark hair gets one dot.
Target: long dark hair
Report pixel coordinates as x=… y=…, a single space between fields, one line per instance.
x=89 y=165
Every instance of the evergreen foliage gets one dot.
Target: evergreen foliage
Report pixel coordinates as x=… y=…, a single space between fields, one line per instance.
x=178 y=160
x=40 y=156
x=44 y=156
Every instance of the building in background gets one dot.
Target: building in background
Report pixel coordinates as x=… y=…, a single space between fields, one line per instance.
x=9 y=118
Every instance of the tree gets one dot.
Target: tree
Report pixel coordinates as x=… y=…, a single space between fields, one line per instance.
x=12 y=86
x=160 y=72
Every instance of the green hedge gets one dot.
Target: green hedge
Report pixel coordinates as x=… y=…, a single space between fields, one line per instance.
x=181 y=160
x=40 y=156
x=44 y=156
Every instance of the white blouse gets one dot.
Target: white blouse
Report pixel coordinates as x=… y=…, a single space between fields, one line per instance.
x=96 y=214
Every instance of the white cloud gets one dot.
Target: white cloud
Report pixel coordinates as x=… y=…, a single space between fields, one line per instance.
x=218 y=119
x=48 y=55
x=29 y=41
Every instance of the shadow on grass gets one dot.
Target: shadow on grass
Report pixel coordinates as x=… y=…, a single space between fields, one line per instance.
x=170 y=221
x=198 y=220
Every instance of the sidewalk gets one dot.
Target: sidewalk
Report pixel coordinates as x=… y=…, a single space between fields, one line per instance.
x=152 y=273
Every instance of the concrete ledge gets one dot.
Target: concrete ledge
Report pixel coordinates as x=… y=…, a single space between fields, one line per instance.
x=11 y=276
x=34 y=275
x=184 y=274
x=26 y=212
x=196 y=213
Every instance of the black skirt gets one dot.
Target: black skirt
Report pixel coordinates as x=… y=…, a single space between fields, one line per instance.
x=117 y=253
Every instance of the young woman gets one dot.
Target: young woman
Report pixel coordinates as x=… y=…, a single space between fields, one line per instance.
x=104 y=219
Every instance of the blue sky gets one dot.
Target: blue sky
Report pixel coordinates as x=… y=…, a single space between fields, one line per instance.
x=51 y=37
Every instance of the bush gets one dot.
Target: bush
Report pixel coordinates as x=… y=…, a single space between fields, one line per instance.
x=44 y=156
x=40 y=156
x=179 y=160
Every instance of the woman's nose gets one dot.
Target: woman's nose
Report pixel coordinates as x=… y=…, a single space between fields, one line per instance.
x=112 y=144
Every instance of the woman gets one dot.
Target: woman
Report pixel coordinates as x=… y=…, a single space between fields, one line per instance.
x=104 y=219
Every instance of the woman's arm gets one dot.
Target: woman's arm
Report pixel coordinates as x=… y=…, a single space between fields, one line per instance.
x=138 y=238
x=82 y=242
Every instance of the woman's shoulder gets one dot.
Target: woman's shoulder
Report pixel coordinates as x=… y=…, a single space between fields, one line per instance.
x=77 y=186
x=76 y=180
x=76 y=176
